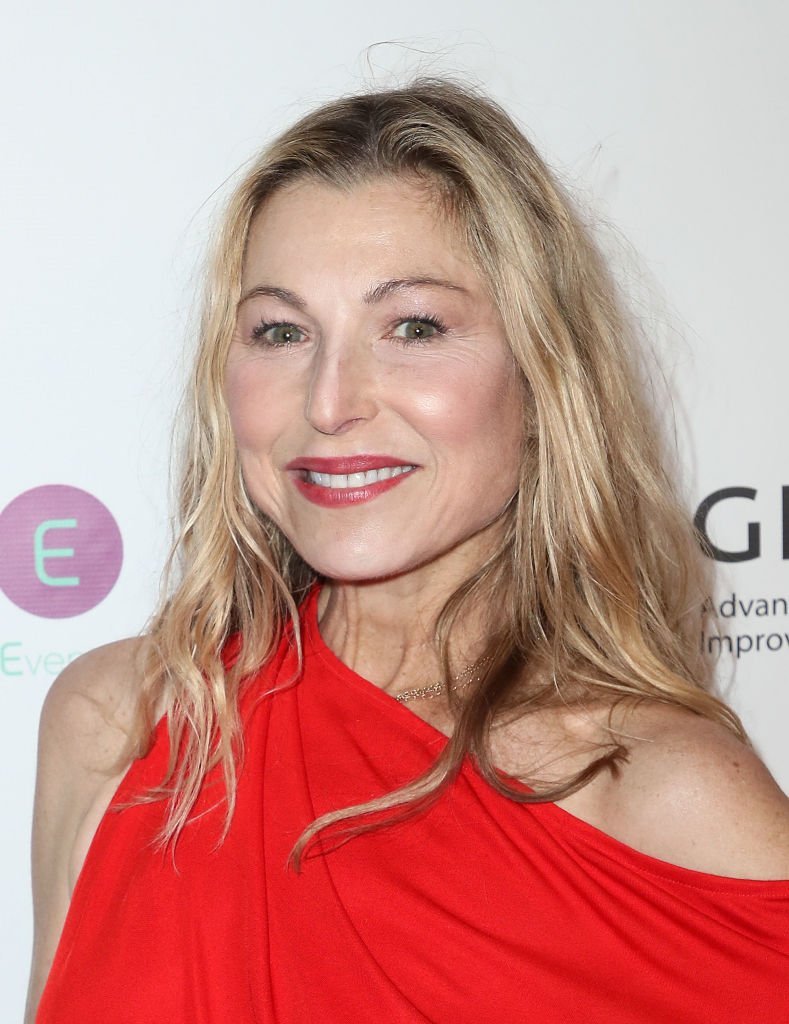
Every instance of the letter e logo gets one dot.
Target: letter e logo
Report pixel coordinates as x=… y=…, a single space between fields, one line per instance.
x=60 y=551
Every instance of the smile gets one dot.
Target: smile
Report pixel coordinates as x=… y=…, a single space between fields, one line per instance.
x=345 y=480
x=359 y=483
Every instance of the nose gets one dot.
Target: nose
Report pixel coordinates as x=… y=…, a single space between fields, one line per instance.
x=341 y=390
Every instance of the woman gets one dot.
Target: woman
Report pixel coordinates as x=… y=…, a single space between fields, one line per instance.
x=434 y=740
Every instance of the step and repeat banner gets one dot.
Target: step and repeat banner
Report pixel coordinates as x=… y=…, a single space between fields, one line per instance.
x=121 y=127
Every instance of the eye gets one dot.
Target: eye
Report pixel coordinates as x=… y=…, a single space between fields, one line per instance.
x=278 y=335
x=419 y=329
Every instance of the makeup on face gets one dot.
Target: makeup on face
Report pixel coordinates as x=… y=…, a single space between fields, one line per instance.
x=372 y=393
x=347 y=481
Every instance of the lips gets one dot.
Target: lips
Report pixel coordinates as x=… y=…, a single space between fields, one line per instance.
x=333 y=482
x=345 y=465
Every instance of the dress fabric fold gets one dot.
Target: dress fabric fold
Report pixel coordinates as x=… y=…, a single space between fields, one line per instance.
x=479 y=910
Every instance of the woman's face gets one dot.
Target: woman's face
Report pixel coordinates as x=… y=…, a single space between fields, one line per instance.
x=375 y=403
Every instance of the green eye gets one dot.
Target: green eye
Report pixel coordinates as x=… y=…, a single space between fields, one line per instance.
x=277 y=334
x=416 y=330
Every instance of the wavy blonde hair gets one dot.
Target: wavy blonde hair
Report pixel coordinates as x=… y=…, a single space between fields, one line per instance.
x=599 y=581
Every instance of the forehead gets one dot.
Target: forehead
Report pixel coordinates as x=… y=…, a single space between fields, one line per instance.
x=382 y=227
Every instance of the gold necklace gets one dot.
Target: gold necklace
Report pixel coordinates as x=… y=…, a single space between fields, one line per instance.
x=469 y=675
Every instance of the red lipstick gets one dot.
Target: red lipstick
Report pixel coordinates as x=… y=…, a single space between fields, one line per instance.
x=346 y=464
x=333 y=497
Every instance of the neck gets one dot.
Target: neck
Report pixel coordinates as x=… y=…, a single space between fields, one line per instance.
x=384 y=629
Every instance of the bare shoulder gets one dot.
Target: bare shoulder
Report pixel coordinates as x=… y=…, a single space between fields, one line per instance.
x=92 y=701
x=84 y=732
x=693 y=794
x=86 y=721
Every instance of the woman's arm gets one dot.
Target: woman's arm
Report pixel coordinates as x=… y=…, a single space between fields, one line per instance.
x=84 y=729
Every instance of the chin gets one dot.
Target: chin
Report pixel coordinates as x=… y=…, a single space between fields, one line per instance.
x=357 y=570
x=372 y=558
x=350 y=552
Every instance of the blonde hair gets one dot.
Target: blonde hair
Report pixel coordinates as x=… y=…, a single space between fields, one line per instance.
x=599 y=579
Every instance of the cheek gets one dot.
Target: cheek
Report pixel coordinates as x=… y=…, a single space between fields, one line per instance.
x=474 y=410
x=249 y=407
x=238 y=398
x=250 y=401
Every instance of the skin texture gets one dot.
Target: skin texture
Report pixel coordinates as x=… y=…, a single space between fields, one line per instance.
x=351 y=383
x=85 y=723
x=690 y=794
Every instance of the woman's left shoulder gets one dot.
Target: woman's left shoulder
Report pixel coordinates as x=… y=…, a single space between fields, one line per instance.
x=693 y=794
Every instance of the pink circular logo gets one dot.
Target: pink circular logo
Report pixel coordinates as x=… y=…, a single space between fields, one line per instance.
x=60 y=551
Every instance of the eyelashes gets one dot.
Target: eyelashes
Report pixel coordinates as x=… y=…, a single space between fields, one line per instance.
x=415 y=333
x=276 y=333
x=410 y=331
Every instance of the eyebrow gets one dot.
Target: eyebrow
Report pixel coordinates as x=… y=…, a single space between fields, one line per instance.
x=380 y=291
x=370 y=297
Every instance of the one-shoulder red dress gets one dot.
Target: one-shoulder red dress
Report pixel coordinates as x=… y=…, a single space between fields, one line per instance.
x=479 y=911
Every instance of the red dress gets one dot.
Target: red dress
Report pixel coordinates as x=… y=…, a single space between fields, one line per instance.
x=480 y=911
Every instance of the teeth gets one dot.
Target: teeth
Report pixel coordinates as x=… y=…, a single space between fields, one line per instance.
x=346 y=480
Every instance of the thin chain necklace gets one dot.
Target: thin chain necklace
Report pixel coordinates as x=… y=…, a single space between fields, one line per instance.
x=470 y=674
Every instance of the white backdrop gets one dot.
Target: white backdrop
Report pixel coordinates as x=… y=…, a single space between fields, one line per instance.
x=120 y=122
